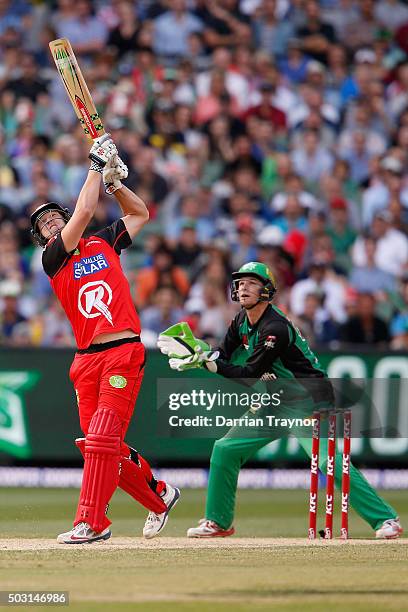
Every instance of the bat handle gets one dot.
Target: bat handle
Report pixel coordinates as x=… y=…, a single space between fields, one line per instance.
x=101 y=139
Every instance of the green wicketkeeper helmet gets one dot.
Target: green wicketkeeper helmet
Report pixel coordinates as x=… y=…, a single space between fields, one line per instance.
x=261 y=272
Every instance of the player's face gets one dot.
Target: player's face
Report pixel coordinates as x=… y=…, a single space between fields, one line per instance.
x=249 y=289
x=50 y=223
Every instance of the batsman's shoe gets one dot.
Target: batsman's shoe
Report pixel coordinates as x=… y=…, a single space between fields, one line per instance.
x=155 y=522
x=389 y=530
x=83 y=534
x=209 y=529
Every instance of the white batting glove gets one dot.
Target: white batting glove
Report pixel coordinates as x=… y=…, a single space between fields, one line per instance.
x=102 y=151
x=113 y=172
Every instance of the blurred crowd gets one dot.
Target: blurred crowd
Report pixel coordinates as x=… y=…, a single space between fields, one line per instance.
x=271 y=130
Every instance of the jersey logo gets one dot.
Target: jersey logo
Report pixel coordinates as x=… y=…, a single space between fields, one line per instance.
x=270 y=342
x=89 y=265
x=245 y=341
x=94 y=299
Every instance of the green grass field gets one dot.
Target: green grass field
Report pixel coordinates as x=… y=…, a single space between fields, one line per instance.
x=244 y=573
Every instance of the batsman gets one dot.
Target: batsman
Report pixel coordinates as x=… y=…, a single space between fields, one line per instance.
x=86 y=275
x=262 y=343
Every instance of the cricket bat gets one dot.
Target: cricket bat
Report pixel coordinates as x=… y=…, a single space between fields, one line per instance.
x=76 y=87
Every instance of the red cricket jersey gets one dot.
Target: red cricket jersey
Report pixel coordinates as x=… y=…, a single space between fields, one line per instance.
x=91 y=285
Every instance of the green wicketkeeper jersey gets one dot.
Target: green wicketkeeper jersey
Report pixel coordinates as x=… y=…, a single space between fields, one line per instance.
x=273 y=347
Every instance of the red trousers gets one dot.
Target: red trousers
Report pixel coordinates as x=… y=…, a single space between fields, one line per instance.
x=108 y=379
x=109 y=382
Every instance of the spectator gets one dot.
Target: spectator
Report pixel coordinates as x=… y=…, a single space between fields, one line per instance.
x=162 y=273
x=397 y=92
x=87 y=33
x=400 y=339
x=343 y=16
x=360 y=119
x=266 y=110
x=342 y=175
x=392 y=246
x=10 y=315
x=336 y=74
x=270 y=33
x=311 y=107
x=240 y=203
x=29 y=84
x=391 y=14
x=235 y=76
x=321 y=279
x=163 y=313
x=292 y=217
x=243 y=249
x=172 y=29
x=282 y=96
x=316 y=34
x=145 y=74
x=224 y=23
x=365 y=327
x=293 y=185
x=312 y=159
x=243 y=156
x=143 y=173
x=64 y=14
x=187 y=210
x=315 y=322
x=369 y=277
x=74 y=161
x=215 y=272
x=362 y=31
x=399 y=323
x=341 y=234
x=9 y=20
x=125 y=36
x=214 y=313
x=55 y=328
x=331 y=187
x=358 y=157
x=187 y=249
x=293 y=66
x=200 y=61
x=209 y=106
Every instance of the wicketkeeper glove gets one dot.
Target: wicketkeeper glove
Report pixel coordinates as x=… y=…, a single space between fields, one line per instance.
x=101 y=152
x=113 y=172
x=179 y=341
x=184 y=350
x=205 y=359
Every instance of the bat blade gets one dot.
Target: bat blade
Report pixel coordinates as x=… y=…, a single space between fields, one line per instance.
x=76 y=87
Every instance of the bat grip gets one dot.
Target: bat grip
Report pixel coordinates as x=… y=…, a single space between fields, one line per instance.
x=101 y=139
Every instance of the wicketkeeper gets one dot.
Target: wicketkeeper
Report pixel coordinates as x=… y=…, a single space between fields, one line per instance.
x=262 y=342
x=87 y=278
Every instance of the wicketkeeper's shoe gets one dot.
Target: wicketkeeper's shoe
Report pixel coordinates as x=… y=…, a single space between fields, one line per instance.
x=155 y=522
x=209 y=529
x=389 y=530
x=83 y=534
